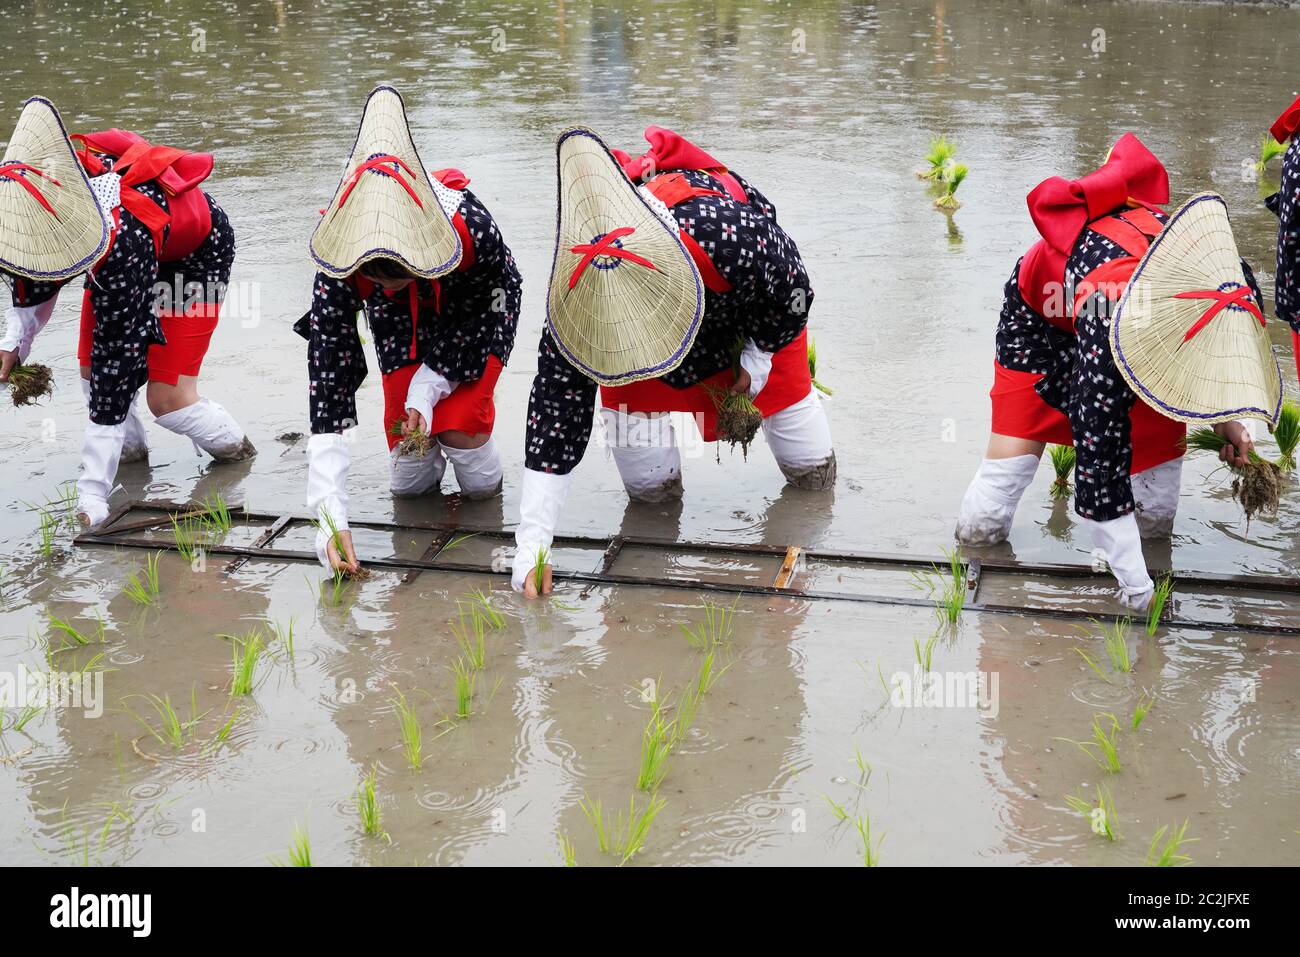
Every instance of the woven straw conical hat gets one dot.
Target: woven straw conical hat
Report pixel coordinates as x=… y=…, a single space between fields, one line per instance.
x=626 y=298
x=1188 y=335
x=385 y=205
x=51 y=226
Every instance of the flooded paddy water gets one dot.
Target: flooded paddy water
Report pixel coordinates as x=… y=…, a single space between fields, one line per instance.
x=828 y=108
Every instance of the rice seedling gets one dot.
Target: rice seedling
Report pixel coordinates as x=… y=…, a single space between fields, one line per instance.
x=1140 y=711
x=466 y=678
x=1114 y=637
x=838 y=810
x=215 y=515
x=1092 y=663
x=30 y=382
x=1063 y=457
x=283 y=634
x=952 y=592
x=952 y=178
x=1162 y=852
x=708 y=674
x=468 y=630
x=482 y=602
x=870 y=851
x=684 y=719
x=925 y=653
x=714 y=630
x=939 y=156
x=1164 y=588
x=812 y=368
x=223 y=733
x=1269 y=150
x=49 y=525
x=25 y=715
x=623 y=836
x=412 y=735
x=189 y=536
x=417 y=444
x=77 y=638
x=1101 y=816
x=142 y=585
x=738 y=418
x=171 y=730
x=657 y=739
x=539 y=568
x=1287 y=436
x=246 y=653
x=299 y=849
x=567 y=851
x=1103 y=748
x=1256 y=486
x=335 y=588
x=368 y=808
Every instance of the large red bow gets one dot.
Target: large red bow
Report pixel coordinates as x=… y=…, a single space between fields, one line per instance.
x=1287 y=124
x=667 y=151
x=1061 y=208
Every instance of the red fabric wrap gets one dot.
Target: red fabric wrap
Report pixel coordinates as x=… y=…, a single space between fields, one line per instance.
x=469 y=409
x=177 y=171
x=1062 y=208
x=1285 y=126
x=788 y=382
x=671 y=151
x=188 y=337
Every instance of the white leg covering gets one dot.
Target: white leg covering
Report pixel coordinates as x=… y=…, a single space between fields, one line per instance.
x=100 y=452
x=800 y=440
x=646 y=453
x=478 y=471
x=1156 y=492
x=212 y=429
x=989 y=505
x=135 y=444
x=409 y=475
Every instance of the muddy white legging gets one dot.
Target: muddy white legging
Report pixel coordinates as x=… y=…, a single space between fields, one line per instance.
x=478 y=471
x=650 y=462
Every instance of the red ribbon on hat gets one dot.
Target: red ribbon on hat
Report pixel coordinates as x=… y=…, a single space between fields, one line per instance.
x=376 y=163
x=605 y=247
x=1241 y=297
x=1286 y=125
x=15 y=170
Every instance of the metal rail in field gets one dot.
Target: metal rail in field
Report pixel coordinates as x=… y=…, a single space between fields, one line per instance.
x=125 y=531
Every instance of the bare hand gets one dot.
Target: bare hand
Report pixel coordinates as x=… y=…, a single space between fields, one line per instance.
x=742 y=383
x=348 y=564
x=414 y=421
x=1236 y=454
x=530 y=583
x=8 y=360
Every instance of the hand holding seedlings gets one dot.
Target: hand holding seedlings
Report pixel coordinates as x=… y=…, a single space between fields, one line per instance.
x=8 y=359
x=539 y=581
x=28 y=383
x=346 y=562
x=416 y=440
x=1258 y=483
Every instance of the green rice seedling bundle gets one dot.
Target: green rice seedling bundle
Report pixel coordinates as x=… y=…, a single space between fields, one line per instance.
x=925 y=653
x=417 y=445
x=215 y=515
x=246 y=653
x=870 y=851
x=738 y=418
x=482 y=603
x=952 y=594
x=1101 y=816
x=170 y=730
x=70 y=631
x=1162 y=852
x=25 y=715
x=1140 y=711
x=29 y=383
x=1256 y=486
x=1287 y=436
x=465 y=678
x=142 y=586
x=952 y=178
x=688 y=703
x=539 y=568
x=568 y=852
x=299 y=849
x=714 y=630
x=1063 y=458
x=283 y=634
x=709 y=673
x=49 y=526
x=1104 y=747
x=1269 y=150
x=625 y=835
x=1114 y=637
x=1159 y=600
x=468 y=630
x=412 y=735
x=190 y=537
x=223 y=733
x=368 y=807
x=939 y=156
x=1092 y=663
x=812 y=368
x=657 y=740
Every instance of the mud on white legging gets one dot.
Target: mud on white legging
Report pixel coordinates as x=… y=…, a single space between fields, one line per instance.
x=650 y=462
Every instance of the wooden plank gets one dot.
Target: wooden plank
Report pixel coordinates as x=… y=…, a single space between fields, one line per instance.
x=788 y=567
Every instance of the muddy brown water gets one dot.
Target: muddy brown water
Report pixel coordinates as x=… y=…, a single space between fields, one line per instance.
x=828 y=108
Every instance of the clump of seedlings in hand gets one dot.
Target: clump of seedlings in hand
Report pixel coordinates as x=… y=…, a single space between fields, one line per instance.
x=1287 y=436
x=1168 y=853
x=417 y=445
x=623 y=836
x=368 y=808
x=412 y=735
x=1101 y=816
x=1103 y=748
x=29 y=383
x=1269 y=150
x=1063 y=457
x=142 y=586
x=246 y=652
x=812 y=368
x=1256 y=486
x=657 y=740
x=738 y=418
x=1164 y=588
x=539 y=568
x=952 y=178
x=940 y=155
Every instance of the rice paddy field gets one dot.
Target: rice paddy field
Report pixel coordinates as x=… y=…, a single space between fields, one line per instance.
x=268 y=714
